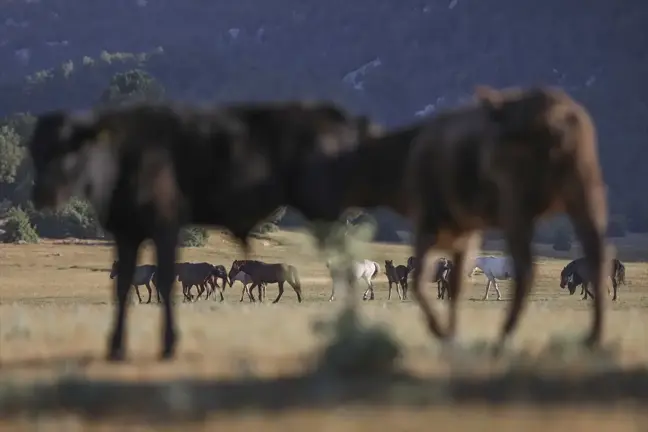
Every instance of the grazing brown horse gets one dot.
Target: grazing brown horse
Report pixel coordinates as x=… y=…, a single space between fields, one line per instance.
x=143 y=275
x=148 y=170
x=396 y=275
x=509 y=159
x=264 y=273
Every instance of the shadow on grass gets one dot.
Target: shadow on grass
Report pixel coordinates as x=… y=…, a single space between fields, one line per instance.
x=184 y=400
x=358 y=367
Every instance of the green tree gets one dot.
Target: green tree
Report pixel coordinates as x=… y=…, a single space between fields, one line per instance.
x=21 y=123
x=18 y=227
x=11 y=154
x=132 y=86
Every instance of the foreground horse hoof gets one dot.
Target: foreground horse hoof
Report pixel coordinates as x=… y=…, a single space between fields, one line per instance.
x=167 y=354
x=115 y=356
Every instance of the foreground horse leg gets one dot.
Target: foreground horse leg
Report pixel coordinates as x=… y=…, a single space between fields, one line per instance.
x=425 y=238
x=464 y=247
x=127 y=249
x=587 y=209
x=166 y=244
x=519 y=234
x=615 y=286
x=390 y=290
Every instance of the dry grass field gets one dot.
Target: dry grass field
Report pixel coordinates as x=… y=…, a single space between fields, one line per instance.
x=246 y=366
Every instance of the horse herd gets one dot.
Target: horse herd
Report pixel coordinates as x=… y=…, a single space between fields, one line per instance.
x=505 y=160
x=257 y=274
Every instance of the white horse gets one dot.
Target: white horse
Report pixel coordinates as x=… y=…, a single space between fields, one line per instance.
x=246 y=280
x=366 y=270
x=494 y=268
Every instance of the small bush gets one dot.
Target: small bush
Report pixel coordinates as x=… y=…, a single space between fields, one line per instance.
x=194 y=236
x=18 y=228
x=77 y=219
x=266 y=228
x=562 y=240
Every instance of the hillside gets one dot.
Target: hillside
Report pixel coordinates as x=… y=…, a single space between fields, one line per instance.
x=391 y=61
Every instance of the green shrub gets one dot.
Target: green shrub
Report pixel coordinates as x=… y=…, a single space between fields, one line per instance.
x=265 y=228
x=193 y=236
x=77 y=219
x=18 y=228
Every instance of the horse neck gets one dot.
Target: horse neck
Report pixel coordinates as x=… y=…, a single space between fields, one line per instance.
x=368 y=164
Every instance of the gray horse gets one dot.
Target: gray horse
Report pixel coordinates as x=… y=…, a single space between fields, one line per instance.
x=144 y=275
x=263 y=273
x=396 y=275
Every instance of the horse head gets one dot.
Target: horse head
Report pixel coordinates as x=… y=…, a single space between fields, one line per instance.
x=389 y=264
x=567 y=280
x=113 y=270
x=234 y=270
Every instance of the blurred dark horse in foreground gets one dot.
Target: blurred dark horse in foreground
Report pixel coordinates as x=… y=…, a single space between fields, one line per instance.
x=148 y=170
x=576 y=273
x=508 y=159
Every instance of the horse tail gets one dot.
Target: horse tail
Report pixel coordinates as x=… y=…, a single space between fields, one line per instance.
x=294 y=277
x=376 y=271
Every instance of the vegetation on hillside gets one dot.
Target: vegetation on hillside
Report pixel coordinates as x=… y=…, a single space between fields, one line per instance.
x=116 y=78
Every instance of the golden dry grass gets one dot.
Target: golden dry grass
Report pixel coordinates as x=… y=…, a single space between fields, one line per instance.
x=56 y=309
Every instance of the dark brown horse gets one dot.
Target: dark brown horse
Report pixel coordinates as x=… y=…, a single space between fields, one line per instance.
x=233 y=273
x=576 y=273
x=264 y=273
x=191 y=274
x=396 y=275
x=148 y=170
x=511 y=158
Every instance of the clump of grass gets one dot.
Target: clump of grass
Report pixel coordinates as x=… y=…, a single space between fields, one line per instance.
x=355 y=349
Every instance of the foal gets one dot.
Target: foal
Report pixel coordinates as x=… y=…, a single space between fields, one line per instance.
x=396 y=275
